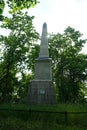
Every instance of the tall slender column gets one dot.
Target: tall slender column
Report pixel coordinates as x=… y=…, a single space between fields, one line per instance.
x=44 y=53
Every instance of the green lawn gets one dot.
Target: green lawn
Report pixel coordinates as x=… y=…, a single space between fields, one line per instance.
x=21 y=117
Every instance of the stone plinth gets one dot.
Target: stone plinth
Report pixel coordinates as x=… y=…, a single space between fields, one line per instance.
x=41 y=92
x=43 y=69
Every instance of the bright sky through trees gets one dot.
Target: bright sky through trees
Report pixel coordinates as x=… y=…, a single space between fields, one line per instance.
x=59 y=14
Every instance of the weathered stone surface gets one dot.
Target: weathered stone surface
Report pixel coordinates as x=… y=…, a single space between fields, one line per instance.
x=43 y=69
x=41 y=90
x=44 y=42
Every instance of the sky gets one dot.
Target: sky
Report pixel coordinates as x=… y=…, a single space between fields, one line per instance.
x=59 y=14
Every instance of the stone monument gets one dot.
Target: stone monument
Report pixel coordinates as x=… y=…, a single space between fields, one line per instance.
x=41 y=90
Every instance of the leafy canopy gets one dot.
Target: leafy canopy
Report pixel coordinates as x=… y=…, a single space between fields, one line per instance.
x=69 y=64
x=16 y=5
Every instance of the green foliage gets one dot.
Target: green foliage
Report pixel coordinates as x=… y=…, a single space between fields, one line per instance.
x=2 y=5
x=15 y=56
x=34 y=53
x=16 y=5
x=69 y=65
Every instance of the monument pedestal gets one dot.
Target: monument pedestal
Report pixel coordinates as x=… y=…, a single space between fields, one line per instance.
x=41 y=92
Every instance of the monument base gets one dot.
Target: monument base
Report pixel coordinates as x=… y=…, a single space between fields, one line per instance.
x=41 y=92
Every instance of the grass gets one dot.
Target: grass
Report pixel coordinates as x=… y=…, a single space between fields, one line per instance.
x=58 y=107
x=19 y=117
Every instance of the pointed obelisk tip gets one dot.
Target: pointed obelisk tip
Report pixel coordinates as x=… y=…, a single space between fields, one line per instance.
x=44 y=25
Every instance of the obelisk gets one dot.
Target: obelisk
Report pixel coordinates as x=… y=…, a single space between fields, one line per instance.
x=44 y=43
x=41 y=90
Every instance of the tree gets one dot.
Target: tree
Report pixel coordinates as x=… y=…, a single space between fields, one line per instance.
x=69 y=64
x=2 y=5
x=16 y=5
x=33 y=55
x=17 y=48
